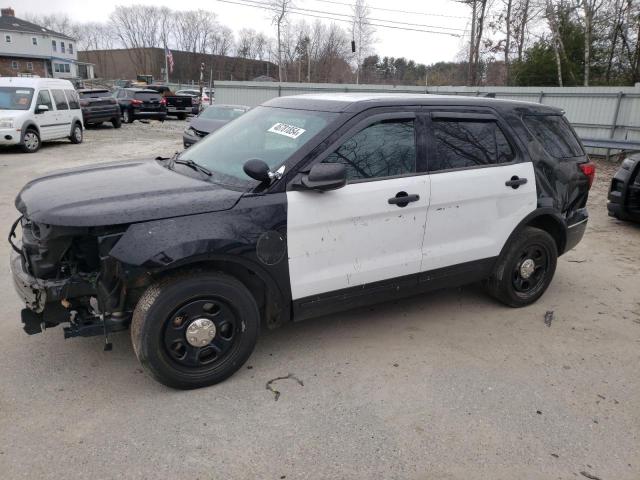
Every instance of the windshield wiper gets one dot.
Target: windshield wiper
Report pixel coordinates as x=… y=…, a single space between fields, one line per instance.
x=194 y=165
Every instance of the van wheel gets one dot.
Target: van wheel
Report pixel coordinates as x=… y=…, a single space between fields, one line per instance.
x=525 y=269
x=195 y=329
x=76 y=134
x=116 y=122
x=126 y=116
x=30 y=141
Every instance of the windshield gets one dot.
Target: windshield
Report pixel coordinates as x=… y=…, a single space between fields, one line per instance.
x=147 y=96
x=221 y=113
x=95 y=94
x=266 y=133
x=15 y=98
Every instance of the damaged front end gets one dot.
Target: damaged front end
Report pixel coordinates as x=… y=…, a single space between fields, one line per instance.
x=65 y=275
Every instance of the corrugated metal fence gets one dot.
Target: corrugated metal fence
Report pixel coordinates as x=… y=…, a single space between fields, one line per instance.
x=595 y=112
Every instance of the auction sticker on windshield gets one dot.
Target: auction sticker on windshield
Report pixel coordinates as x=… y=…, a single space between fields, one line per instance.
x=287 y=130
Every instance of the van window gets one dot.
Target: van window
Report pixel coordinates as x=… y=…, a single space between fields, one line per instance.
x=15 y=98
x=469 y=143
x=72 y=98
x=60 y=99
x=555 y=135
x=44 y=99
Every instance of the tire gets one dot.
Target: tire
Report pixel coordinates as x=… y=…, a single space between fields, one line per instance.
x=116 y=122
x=127 y=116
x=182 y=116
x=30 y=141
x=170 y=307
x=525 y=269
x=76 y=134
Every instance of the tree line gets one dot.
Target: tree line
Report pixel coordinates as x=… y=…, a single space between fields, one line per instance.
x=506 y=42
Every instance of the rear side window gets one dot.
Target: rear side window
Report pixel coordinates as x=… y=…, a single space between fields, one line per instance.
x=60 y=100
x=555 y=135
x=72 y=98
x=44 y=99
x=468 y=143
x=384 y=149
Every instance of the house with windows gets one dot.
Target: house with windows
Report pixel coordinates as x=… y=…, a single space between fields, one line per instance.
x=29 y=49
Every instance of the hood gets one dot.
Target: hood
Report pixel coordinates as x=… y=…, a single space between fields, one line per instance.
x=207 y=125
x=119 y=193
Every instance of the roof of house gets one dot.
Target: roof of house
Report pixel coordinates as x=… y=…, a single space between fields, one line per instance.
x=15 y=24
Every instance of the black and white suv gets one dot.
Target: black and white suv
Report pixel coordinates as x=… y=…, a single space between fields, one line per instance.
x=304 y=206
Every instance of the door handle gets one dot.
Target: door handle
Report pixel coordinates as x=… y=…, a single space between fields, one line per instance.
x=402 y=199
x=515 y=182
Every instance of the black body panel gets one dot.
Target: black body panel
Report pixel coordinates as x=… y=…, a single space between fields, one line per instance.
x=117 y=193
x=624 y=192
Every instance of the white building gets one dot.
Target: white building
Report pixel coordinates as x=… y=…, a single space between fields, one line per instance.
x=28 y=49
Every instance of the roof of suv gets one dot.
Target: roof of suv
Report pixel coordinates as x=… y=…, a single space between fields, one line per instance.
x=355 y=102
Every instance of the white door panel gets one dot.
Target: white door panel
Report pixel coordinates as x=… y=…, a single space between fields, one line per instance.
x=472 y=213
x=353 y=236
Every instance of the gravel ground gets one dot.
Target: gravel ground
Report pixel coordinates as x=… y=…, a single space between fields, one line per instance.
x=449 y=385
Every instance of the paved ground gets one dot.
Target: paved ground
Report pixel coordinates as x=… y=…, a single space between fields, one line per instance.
x=445 y=386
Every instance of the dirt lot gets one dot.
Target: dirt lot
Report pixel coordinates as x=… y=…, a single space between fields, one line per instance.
x=445 y=386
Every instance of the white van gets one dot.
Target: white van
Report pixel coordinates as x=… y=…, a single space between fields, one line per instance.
x=33 y=110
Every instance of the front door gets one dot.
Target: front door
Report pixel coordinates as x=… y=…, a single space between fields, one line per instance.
x=371 y=229
x=46 y=120
x=481 y=189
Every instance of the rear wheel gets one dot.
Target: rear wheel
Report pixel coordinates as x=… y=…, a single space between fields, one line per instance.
x=116 y=122
x=76 y=134
x=30 y=141
x=195 y=329
x=525 y=269
x=182 y=116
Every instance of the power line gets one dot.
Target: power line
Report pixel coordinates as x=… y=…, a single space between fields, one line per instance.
x=394 y=10
x=265 y=7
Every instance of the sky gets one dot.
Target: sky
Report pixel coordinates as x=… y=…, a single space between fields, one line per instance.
x=428 y=48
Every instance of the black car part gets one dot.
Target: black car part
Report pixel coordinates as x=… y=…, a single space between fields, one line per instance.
x=624 y=193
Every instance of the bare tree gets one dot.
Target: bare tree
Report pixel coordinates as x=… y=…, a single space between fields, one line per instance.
x=280 y=10
x=590 y=10
x=138 y=27
x=362 y=34
x=478 y=16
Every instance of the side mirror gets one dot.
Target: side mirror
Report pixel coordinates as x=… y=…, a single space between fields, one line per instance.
x=257 y=169
x=325 y=176
x=42 y=109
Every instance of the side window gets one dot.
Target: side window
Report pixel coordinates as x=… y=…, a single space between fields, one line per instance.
x=44 y=99
x=553 y=132
x=54 y=46
x=59 y=98
x=72 y=98
x=383 y=149
x=468 y=143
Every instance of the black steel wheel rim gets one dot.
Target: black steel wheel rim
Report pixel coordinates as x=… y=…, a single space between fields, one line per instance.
x=228 y=329
x=527 y=286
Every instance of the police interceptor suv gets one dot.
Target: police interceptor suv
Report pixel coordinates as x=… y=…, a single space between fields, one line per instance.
x=303 y=206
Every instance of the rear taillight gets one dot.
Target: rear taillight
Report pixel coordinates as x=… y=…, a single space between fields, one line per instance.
x=589 y=169
x=113 y=100
x=163 y=101
x=83 y=103
x=136 y=102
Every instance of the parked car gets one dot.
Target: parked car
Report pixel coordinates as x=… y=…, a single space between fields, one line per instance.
x=624 y=193
x=177 y=105
x=98 y=105
x=140 y=103
x=207 y=97
x=304 y=206
x=209 y=120
x=35 y=110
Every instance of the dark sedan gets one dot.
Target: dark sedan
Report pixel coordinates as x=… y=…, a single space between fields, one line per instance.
x=210 y=120
x=98 y=105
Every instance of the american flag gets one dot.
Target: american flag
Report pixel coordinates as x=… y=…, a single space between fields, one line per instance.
x=169 y=56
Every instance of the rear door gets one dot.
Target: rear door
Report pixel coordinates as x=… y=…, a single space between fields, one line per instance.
x=362 y=233
x=481 y=188
x=63 y=114
x=46 y=121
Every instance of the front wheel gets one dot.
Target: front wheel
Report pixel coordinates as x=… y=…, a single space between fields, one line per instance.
x=76 y=134
x=30 y=141
x=525 y=269
x=194 y=329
